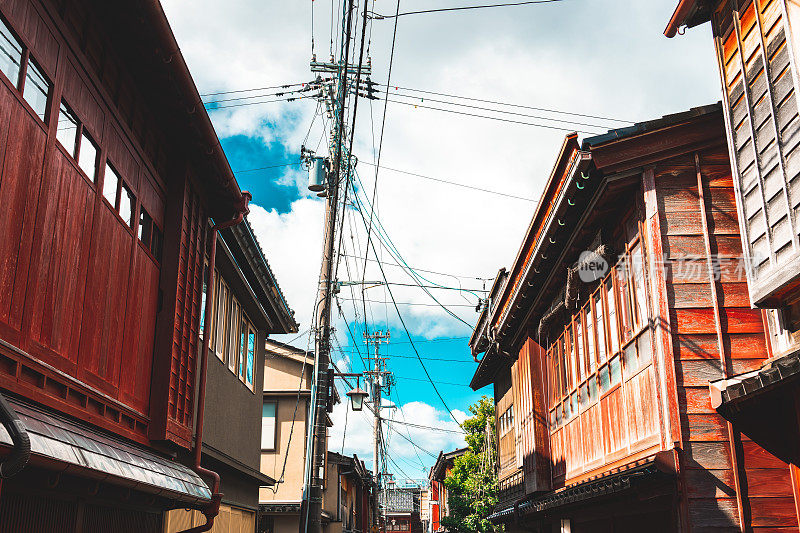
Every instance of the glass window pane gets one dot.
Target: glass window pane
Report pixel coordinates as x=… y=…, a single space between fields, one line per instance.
x=605 y=379
x=592 y=389
x=590 y=337
x=616 y=374
x=643 y=343
x=36 y=90
x=268 y=426
x=251 y=354
x=203 y=299
x=639 y=283
x=110 y=183
x=87 y=159
x=127 y=205
x=631 y=361
x=67 y=129
x=10 y=54
x=601 y=327
x=579 y=348
x=233 y=334
x=145 y=227
x=156 y=243
x=242 y=349
x=612 y=317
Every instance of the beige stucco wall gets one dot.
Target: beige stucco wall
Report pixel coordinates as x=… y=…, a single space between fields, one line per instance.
x=272 y=462
x=229 y=520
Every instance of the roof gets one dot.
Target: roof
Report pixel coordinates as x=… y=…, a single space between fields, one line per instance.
x=251 y=260
x=141 y=34
x=55 y=440
x=288 y=351
x=398 y=500
x=659 y=466
x=443 y=461
x=688 y=13
x=727 y=394
x=355 y=464
x=562 y=207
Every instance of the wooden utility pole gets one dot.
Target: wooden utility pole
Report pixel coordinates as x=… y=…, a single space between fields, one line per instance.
x=319 y=431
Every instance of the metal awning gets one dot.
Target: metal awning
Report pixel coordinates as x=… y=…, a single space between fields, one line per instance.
x=659 y=465
x=74 y=447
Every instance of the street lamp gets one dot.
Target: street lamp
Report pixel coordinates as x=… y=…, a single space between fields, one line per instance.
x=357 y=397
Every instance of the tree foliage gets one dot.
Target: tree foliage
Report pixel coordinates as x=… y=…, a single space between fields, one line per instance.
x=472 y=483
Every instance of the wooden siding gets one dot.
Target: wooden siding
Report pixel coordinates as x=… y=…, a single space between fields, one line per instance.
x=83 y=292
x=714 y=333
x=530 y=417
x=760 y=100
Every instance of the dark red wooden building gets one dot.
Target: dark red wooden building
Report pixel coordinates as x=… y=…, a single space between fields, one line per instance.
x=110 y=178
x=627 y=297
x=756 y=44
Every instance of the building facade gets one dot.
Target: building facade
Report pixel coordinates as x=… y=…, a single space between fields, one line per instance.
x=627 y=297
x=110 y=179
x=756 y=44
x=439 y=471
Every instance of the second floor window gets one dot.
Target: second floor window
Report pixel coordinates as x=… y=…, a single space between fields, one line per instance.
x=268 y=413
x=15 y=58
x=233 y=335
x=603 y=341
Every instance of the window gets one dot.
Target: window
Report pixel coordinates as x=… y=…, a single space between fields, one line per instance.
x=127 y=205
x=36 y=89
x=268 y=426
x=589 y=357
x=110 y=184
x=67 y=130
x=157 y=243
x=10 y=53
x=87 y=156
x=146 y=228
x=233 y=336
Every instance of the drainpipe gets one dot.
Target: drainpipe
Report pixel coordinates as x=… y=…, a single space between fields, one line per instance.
x=21 y=450
x=212 y=510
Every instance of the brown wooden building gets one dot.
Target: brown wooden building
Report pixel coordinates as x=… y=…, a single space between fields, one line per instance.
x=627 y=297
x=756 y=44
x=110 y=177
x=439 y=499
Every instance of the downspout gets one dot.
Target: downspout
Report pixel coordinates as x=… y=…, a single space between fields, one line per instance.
x=21 y=450
x=212 y=510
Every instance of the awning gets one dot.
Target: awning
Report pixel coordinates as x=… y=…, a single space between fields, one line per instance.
x=74 y=447
x=727 y=393
x=660 y=465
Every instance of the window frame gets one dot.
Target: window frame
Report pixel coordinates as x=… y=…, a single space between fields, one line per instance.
x=274 y=447
x=25 y=58
x=573 y=386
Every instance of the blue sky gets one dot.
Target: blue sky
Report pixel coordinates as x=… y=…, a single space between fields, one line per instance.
x=599 y=57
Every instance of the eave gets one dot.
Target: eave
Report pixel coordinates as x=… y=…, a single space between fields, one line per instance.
x=687 y=13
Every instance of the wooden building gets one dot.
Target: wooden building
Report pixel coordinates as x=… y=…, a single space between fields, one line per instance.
x=627 y=297
x=110 y=178
x=439 y=471
x=756 y=44
x=399 y=508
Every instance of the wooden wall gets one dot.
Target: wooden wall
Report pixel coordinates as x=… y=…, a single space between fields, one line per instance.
x=83 y=291
x=713 y=334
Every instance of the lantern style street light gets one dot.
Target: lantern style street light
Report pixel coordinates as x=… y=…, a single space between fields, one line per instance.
x=357 y=397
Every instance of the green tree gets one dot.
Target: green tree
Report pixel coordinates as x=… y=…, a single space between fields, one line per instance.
x=472 y=483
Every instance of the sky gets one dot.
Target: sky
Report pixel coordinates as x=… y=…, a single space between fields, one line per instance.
x=604 y=58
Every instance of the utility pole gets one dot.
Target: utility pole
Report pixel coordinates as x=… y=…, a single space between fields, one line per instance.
x=334 y=94
x=378 y=373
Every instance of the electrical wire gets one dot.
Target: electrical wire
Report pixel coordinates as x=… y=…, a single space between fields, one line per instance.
x=520 y=106
x=508 y=120
x=418 y=304
x=434 y=381
x=465 y=186
x=420 y=426
x=378 y=16
x=482 y=108
x=286 y=86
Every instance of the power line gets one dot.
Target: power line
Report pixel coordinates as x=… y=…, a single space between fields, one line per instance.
x=420 y=426
x=460 y=289
x=264 y=102
x=510 y=121
x=464 y=185
x=268 y=167
x=378 y=16
x=437 y=381
x=286 y=86
x=482 y=108
x=420 y=304
x=513 y=105
x=419 y=269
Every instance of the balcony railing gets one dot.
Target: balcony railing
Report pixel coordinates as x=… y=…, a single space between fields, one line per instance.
x=512 y=488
